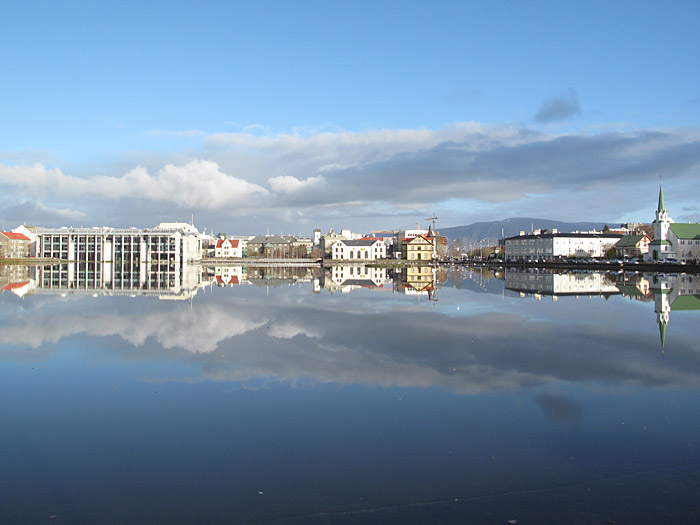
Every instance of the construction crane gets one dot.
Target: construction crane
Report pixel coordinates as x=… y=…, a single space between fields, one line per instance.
x=433 y=218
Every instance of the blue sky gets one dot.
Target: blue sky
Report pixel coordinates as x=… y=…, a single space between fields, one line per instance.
x=296 y=115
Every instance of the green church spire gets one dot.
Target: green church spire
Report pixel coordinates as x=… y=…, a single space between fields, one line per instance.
x=662 y=206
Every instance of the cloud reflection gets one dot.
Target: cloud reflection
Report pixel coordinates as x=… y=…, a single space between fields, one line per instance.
x=240 y=335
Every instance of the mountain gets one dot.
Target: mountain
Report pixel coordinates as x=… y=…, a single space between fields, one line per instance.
x=494 y=230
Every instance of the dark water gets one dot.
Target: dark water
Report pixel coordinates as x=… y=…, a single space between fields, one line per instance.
x=481 y=399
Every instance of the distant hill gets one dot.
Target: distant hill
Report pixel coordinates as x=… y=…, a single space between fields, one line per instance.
x=494 y=230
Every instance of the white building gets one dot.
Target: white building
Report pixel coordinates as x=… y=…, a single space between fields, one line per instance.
x=548 y=246
x=673 y=240
x=328 y=240
x=176 y=243
x=228 y=248
x=358 y=250
x=114 y=258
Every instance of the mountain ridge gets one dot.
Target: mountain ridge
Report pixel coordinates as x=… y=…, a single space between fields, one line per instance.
x=492 y=231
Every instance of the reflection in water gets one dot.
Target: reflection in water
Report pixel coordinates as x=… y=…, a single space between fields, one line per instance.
x=252 y=403
x=328 y=338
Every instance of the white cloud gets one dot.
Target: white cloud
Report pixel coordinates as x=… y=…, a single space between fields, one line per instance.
x=377 y=174
x=198 y=184
x=290 y=184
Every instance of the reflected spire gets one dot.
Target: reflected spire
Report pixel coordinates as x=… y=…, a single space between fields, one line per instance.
x=662 y=332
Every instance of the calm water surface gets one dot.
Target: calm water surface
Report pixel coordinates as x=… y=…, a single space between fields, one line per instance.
x=475 y=398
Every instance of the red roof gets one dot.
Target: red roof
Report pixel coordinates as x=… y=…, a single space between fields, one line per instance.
x=232 y=280
x=232 y=242
x=16 y=236
x=13 y=286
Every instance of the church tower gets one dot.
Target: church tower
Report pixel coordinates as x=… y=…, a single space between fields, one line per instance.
x=662 y=224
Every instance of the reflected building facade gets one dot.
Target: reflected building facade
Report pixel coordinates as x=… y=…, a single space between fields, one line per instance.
x=673 y=293
x=539 y=282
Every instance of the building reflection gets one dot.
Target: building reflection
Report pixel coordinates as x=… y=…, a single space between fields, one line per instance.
x=541 y=282
x=110 y=278
x=673 y=293
x=669 y=292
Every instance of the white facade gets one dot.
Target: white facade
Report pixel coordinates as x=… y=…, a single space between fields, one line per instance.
x=228 y=248
x=673 y=240
x=550 y=246
x=359 y=250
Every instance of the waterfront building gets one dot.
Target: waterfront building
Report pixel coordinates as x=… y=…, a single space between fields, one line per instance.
x=367 y=249
x=272 y=246
x=547 y=246
x=302 y=246
x=171 y=244
x=673 y=240
x=633 y=245
x=328 y=240
x=401 y=235
x=417 y=248
x=14 y=245
x=278 y=247
x=118 y=259
x=228 y=248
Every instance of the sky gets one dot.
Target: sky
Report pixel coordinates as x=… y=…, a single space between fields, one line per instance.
x=287 y=116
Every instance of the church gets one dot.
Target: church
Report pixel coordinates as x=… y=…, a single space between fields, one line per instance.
x=672 y=240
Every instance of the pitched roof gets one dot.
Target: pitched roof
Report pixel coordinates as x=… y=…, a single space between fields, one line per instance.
x=16 y=236
x=232 y=280
x=686 y=231
x=13 y=286
x=269 y=239
x=360 y=242
x=629 y=241
x=232 y=242
x=686 y=302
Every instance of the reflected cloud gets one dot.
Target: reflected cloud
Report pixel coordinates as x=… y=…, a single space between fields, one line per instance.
x=239 y=334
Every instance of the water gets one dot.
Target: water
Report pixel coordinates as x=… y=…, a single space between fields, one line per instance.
x=460 y=397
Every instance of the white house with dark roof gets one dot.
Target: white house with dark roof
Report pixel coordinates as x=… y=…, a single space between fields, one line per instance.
x=367 y=249
x=633 y=245
x=673 y=240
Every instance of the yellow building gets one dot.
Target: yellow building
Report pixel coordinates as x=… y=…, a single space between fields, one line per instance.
x=419 y=248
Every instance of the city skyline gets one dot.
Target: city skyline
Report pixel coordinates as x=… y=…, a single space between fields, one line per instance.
x=297 y=116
